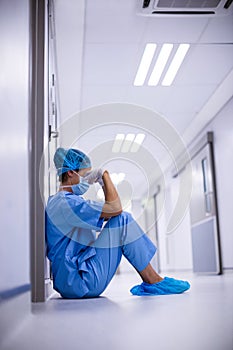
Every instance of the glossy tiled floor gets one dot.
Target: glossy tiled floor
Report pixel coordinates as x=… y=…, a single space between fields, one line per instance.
x=201 y=319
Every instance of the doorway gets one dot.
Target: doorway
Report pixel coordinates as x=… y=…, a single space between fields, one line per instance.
x=204 y=213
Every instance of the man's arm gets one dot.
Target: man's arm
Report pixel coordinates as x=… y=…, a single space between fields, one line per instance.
x=112 y=205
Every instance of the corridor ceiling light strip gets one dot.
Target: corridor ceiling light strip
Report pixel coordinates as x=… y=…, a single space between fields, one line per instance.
x=118 y=142
x=127 y=143
x=145 y=64
x=160 y=64
x=137 y=142
x=117 y=178
x=175 y=64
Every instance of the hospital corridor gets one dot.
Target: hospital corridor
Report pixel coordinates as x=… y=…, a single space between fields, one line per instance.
x=116 y=170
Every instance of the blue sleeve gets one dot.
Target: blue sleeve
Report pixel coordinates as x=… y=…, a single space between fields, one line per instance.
x=82 y=213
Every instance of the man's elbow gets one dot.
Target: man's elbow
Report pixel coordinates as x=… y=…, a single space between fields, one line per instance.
x=111 y=210
x=118 y=208
x=118 y=212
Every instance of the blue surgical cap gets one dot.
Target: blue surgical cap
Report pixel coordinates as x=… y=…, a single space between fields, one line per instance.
x=70 y=159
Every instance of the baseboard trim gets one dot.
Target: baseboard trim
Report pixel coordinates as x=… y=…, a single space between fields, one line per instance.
x=13 y=292
x=227 y=269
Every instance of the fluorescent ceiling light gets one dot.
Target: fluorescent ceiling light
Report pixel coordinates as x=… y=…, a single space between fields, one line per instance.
x=127 y=143
x=100 y=194
x=130 y=142
x=137 y=142
x=175 y=64
x=117 y=178
x=118 y=142
x=121 y=177
x=145 y=64
x=160 y=64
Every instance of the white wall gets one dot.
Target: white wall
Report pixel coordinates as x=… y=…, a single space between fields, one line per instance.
x=69 y=24
x=175 y=249
x=14 y=204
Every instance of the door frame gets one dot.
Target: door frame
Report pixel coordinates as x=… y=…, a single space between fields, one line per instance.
x=36 y=148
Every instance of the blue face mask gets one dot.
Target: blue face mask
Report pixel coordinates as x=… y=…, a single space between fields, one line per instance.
x=79 y=188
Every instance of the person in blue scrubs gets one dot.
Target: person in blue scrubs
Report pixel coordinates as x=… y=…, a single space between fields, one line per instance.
x=86 y=239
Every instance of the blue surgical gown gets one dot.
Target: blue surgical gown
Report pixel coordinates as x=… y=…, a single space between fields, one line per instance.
x=83 y=251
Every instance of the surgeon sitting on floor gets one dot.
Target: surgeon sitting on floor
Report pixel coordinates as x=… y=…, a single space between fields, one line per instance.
x=84 y=252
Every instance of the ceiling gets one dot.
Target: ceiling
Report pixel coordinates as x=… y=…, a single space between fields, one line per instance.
x=115 y=36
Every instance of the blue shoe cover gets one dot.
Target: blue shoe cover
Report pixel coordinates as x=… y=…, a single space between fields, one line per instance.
x=166 y=286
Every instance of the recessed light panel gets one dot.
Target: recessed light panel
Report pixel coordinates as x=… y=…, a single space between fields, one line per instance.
x=175 y=64
x=160 y=64
x=127 y=143
x=145 y=64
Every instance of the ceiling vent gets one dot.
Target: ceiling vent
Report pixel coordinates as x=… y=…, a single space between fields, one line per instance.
x=185 y=7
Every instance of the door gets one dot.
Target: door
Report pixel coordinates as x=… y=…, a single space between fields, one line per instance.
x=203 y=212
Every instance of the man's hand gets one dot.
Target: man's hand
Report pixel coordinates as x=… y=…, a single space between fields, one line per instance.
x=94 y=176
